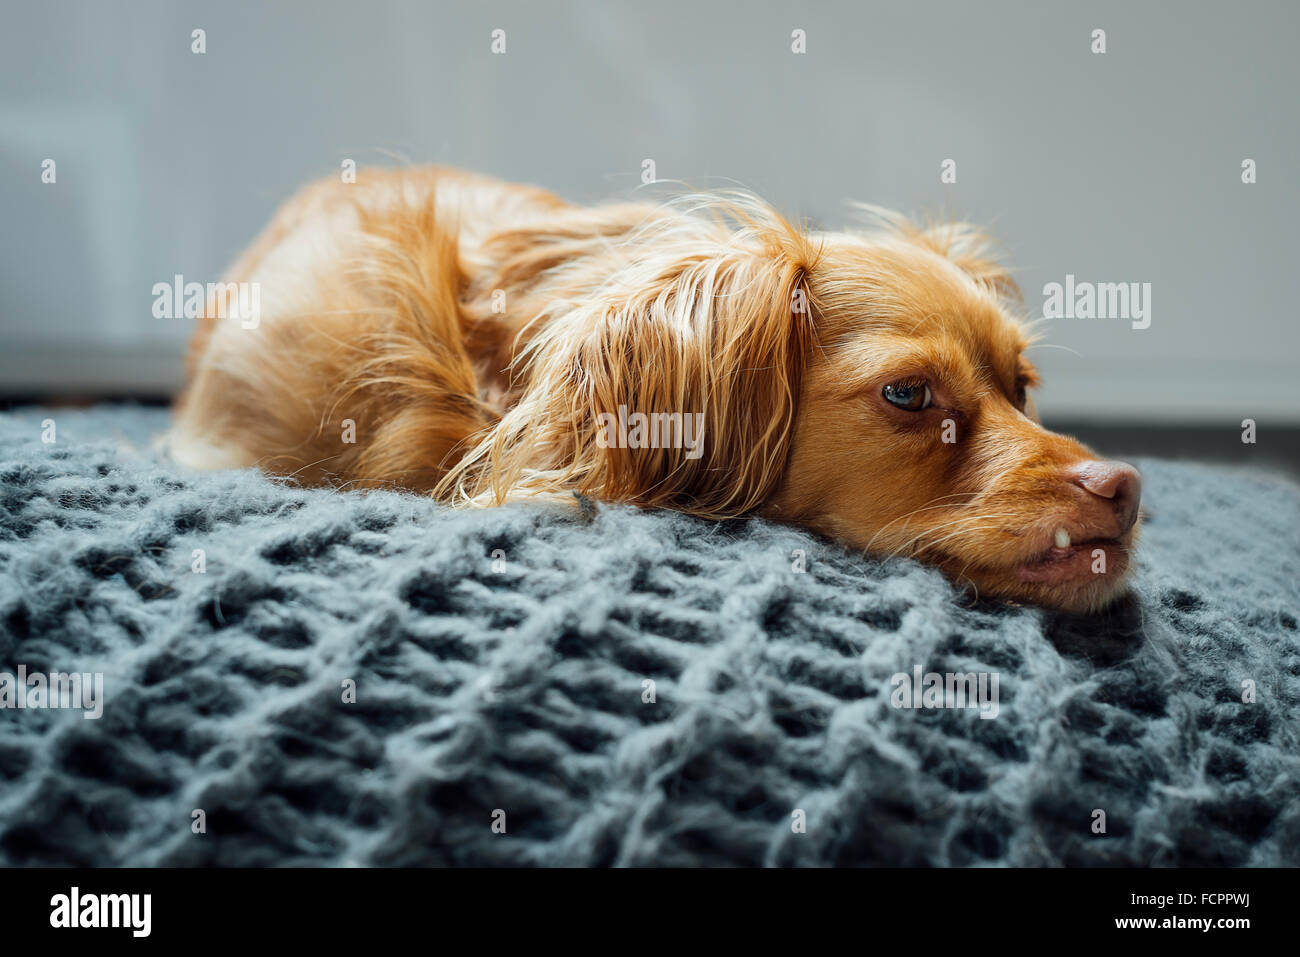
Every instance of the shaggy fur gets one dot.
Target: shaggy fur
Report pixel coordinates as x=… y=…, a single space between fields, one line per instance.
x=443 y=332
x=519 y=686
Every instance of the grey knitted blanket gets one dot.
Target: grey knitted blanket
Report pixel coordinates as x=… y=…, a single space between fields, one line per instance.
x=300 y=676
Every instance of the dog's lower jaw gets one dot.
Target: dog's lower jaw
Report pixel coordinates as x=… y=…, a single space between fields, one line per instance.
x=1098 y=580
x=1087 y=578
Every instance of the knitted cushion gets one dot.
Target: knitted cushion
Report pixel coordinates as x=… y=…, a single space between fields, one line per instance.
x=375 y=679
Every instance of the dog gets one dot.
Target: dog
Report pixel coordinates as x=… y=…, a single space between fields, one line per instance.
x=480 y=341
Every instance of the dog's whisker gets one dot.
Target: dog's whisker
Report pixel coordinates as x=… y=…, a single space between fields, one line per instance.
x=917 y=511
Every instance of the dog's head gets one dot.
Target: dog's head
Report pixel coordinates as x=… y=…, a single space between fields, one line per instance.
x=873 y=387
x=916 y=433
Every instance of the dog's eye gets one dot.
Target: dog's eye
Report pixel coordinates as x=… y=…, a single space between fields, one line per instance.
x=1021 y=397
x=909 y=396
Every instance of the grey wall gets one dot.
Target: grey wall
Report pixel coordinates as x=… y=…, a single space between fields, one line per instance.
x=1117 y=167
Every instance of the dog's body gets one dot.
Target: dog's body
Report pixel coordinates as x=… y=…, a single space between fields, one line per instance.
x=448 y=333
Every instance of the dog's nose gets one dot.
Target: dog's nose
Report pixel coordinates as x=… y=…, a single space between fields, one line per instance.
x=1117 y=481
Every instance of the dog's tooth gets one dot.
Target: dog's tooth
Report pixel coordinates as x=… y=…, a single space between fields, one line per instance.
x=1062 y=538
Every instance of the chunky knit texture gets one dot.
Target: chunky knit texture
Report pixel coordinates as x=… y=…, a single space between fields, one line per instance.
x=516 y=683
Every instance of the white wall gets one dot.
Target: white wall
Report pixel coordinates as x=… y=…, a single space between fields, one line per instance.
x=1116 y=167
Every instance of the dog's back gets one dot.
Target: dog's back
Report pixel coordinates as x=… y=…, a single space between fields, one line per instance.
x=359 y=363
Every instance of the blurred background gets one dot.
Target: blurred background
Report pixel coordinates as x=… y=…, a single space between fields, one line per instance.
x=1117 y=167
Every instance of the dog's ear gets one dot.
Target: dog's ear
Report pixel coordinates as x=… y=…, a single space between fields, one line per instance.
x=966 y=245
x=973 y=251
x=704 y=335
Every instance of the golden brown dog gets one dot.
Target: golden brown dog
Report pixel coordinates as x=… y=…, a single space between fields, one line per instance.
x=481 y=341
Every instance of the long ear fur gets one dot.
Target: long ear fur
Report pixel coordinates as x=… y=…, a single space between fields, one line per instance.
x=967 y=246
x=688 y=315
